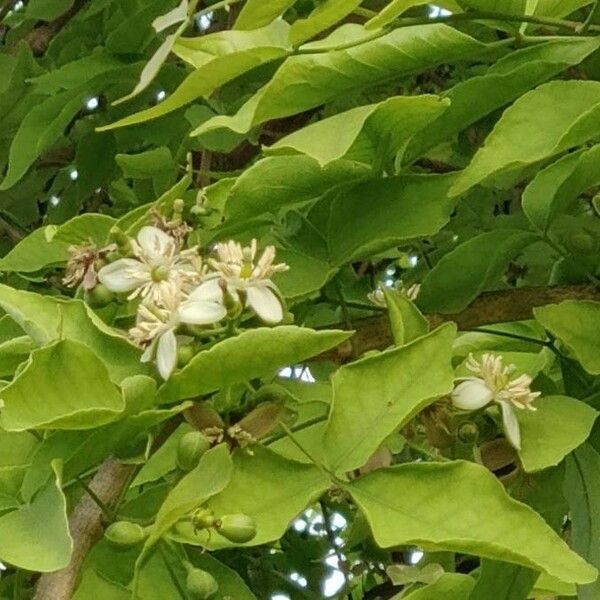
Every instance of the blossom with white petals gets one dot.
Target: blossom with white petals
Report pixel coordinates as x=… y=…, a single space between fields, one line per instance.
x=493 y=382
x=158 y=262
x=242 y=274
x=157 y=323
x=377 y=296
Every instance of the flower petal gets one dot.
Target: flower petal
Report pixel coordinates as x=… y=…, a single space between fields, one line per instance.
x=123 y=275
x=511 y=425
x=265 y=303
x=166 y=353
x=155 y=243
x=201 y=312
x=471 y=394
x=208 y=290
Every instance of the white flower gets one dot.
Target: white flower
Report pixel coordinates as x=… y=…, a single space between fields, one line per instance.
x=158 y=261
x=377 y=296
x=494 y=383
x=242 y=274
x=157 y=322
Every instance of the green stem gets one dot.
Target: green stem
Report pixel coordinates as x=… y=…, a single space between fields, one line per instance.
x=343 y=305
x=594 y=11
x=334 y=546
x=299 y=427
x=428 y=453
x=514 y=336
x=306 y=452
x=357 y=305
x=174 y=577
x=494 y=16
x=108 y=514
x=570 y=259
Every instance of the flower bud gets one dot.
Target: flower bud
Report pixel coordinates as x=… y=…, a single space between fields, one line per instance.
x=468 y=432
x=190 y=449
x=200 y=584
x=99 y=296
x=118 y=236
x=125 y=534
x=178 y=206
x=184 y=355
x=238 y=528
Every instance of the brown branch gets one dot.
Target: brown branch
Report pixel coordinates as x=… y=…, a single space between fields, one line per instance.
x=491 y=307
x=85 y=524
x=40 y=37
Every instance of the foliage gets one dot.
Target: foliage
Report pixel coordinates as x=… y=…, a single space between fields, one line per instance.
x=322 y=276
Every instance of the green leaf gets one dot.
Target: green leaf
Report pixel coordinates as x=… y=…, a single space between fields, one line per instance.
x=36 y=535
x=544 y=122
x=257 y=13
x=582 y=490
x=145 y=165
x=218 y=71
x=558 y=186
x=280 y=182
x=153 y=66
x=62 y=386
x=505 y=80
x=34 y=253
x=13 y=353
x=210 y=477
x=305 y=276
x=198 y=51
x=406 y=321
x=370 y=217
x=503 y=581
x=558 y=426
x=250 y=354
x=83 y=229
x=392 y=11
x=470 y=269
x=404 y=506
x=40 y=128
x=324 y=16
x=81 y=451
x=362 y=133
x=577 y=324
x=550 y=586
x=47 y=10
x=75 y=73
x=306 y=81
x=231 y=585
x=450 y=586
x=286 y=489
x=374 y=396
x=46 y=319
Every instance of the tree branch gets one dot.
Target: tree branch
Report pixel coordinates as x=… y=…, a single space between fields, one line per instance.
x=40 y=37
x=491 y=307
x=85 y=524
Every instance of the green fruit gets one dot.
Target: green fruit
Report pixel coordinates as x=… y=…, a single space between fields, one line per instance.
x=99 y=296
x=201 y=585
x=238 y=528
x=125 y=534
x=184 y=355
x=191 y=447
x=581 y=243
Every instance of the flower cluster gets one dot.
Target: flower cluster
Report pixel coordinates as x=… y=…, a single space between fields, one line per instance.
x=176 y=287
x=494 y=383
